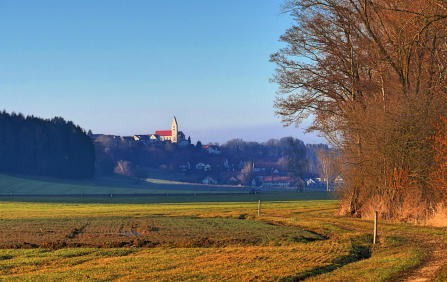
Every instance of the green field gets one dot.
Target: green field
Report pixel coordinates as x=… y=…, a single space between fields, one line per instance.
x=297 y=237
x=12 y=185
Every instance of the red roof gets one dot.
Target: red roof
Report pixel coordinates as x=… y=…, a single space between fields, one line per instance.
x=163 y=132
x=278 y=179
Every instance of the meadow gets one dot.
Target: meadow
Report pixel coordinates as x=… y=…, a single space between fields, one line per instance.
x=18 y=185
x=290 y=240
x=297 y=236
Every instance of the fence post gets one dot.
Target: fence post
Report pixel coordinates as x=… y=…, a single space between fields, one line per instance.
x=259 y=208
x=376 y=215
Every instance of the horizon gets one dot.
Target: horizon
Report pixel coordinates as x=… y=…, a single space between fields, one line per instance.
x=246 y=134
x=126 y=69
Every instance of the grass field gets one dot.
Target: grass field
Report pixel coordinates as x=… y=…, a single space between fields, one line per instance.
x=193 y=233
x=12 y=185
x=290 y=241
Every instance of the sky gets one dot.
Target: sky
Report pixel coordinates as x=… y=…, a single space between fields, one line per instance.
x=127 y=67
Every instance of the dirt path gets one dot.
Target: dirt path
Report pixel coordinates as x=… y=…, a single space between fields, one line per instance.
x=435 y=251
x=436 y=258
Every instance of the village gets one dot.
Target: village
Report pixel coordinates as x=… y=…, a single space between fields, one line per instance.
x=169 y=153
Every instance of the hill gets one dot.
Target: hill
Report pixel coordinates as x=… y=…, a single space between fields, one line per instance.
x=45 y=147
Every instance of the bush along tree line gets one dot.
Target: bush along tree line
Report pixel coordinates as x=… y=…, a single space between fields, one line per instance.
x=373 y=76
x=53 y=147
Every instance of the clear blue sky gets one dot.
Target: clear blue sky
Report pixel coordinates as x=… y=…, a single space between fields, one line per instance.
x=126 y=67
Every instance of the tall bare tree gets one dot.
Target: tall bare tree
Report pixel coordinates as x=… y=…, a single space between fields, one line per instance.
x=327 y=167
x=373 y=74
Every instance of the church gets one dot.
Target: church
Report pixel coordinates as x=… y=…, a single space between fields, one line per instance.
x=173 y=135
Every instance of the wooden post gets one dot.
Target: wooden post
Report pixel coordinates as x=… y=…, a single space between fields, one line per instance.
x=376 y=215
x=259 y=208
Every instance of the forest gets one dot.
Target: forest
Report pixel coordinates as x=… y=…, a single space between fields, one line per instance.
x=40 y=147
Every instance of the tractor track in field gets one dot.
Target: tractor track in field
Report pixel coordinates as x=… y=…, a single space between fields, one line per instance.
x=435 y=258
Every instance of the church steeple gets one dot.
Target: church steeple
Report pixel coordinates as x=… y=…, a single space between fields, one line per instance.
x=174 y=131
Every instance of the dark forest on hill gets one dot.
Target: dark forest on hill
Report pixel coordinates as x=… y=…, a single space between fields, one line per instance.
x=41 y=147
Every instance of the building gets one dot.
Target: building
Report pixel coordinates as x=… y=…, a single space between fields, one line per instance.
x=278 y=181
x=209 y=180
x=212 y=149
x=310 y=182
x=173 y=135
x=203 y=166
x=145 y=139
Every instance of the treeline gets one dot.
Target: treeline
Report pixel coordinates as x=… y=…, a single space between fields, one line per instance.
x=295 y=157
x=374 y=75
x=35 y=146
x=126 y=156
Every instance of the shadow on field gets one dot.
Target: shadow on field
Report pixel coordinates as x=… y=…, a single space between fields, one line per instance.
x=360 y=249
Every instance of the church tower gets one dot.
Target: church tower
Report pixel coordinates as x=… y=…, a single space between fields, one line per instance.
x=174 y=131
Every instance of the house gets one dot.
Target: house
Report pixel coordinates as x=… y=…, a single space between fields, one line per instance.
x=145 y=139
x=155 y=138
x=339 y=180
x=203 y=166
x=278 y=182
x=310 y=182
x=212 y=149
x=209 y=180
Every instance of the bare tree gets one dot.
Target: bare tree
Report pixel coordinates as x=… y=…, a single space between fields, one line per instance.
x=374 y=75
x=328 y=169
x=247 y=173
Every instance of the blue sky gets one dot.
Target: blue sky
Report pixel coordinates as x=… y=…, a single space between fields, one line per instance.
x=126 y=67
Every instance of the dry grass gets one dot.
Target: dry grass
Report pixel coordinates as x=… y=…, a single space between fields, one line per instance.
x=204 y=241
